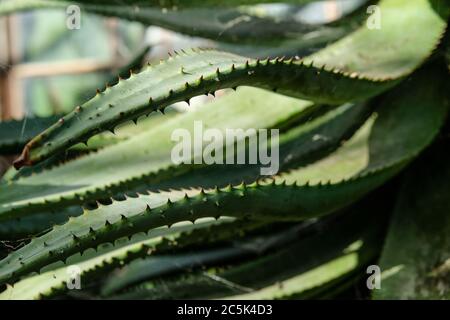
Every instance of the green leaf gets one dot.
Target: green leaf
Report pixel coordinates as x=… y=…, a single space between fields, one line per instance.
x=11 y=6
x=403 y=42
x=252 y=30
x=186 y=76
x=26 y=227
x=316 y=258
x=141 y=159
x=415 y=262
x=248 y=247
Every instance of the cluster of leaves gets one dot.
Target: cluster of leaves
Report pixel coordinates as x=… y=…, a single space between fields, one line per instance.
x=353 y=115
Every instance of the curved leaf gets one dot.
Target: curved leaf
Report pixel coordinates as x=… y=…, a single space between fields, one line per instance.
x=186 y=76
x=140 y=159
x=341 y=246
x=401 y=130
x=11 y=6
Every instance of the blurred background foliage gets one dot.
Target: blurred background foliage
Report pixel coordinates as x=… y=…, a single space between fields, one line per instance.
x=47 y=39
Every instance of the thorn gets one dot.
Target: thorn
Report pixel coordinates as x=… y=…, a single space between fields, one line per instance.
x=135 y=121
x=150 y=101
x=98 y=91
x=183 y=71
x=61 y=121
x=253 y=184
x=111 y=106
x=78 y=109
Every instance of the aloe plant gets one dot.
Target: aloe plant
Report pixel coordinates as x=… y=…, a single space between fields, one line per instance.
x=361 y=119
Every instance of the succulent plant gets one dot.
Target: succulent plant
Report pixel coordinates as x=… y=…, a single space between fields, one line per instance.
x=363 y=164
